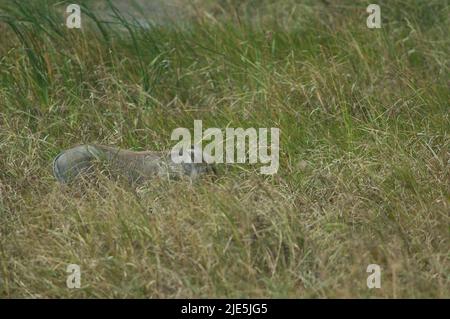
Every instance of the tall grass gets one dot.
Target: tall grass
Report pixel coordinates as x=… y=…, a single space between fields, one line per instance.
x=364 y=152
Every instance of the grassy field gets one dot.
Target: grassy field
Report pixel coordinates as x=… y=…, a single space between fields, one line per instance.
x=364 y=172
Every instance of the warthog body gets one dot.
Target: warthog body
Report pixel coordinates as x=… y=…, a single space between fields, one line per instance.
x=135 y=166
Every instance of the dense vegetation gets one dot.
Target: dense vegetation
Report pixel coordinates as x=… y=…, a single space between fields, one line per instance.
x=364 y=152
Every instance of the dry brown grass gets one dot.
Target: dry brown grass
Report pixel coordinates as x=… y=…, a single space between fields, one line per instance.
x=364 y=163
